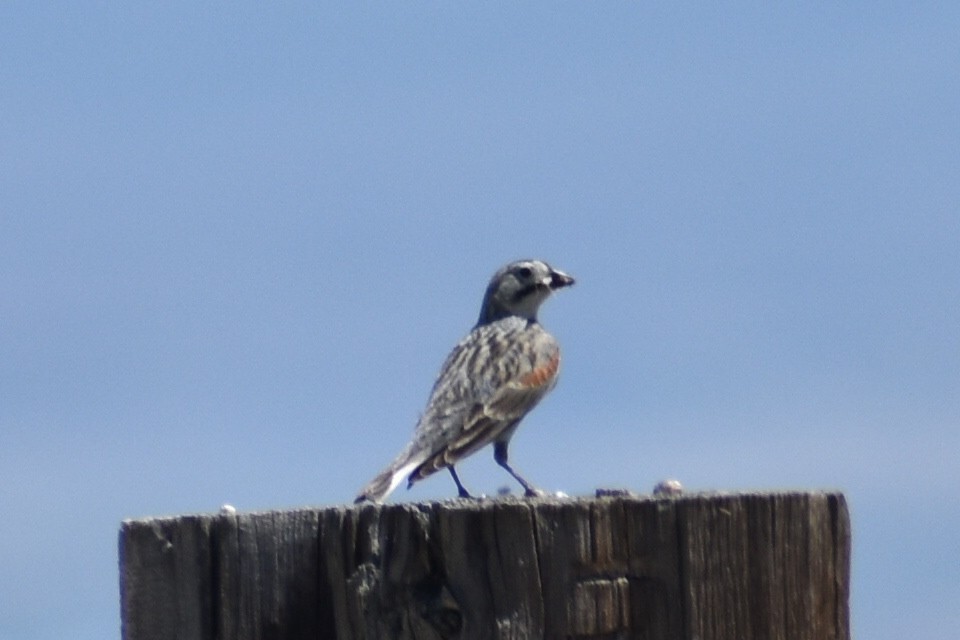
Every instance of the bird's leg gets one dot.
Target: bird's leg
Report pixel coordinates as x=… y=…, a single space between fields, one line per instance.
x=500 y=455
x=462 y=490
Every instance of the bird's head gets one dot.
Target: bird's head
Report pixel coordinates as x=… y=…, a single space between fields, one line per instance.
x=519 y=288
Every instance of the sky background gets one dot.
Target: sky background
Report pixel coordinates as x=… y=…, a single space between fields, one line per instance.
x=238 y=239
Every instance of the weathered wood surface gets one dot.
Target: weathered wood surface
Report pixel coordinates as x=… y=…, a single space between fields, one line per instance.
x=708 y=567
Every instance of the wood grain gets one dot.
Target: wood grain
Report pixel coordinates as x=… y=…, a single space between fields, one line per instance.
x=770 y=566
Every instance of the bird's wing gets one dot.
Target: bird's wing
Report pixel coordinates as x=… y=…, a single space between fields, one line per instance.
x=490 y=381
x=526 y=387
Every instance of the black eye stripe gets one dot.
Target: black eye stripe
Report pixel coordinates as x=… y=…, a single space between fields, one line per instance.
x=524 y=272
x=524 y=292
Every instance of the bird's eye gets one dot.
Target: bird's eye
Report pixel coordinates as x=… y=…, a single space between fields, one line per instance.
x=524 y=272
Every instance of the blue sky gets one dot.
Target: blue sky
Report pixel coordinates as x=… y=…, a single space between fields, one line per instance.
x=237 y=241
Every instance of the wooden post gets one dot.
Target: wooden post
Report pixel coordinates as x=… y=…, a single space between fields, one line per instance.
x=709 y=567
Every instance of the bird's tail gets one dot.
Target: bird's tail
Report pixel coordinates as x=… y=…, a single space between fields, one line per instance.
x=390 y=478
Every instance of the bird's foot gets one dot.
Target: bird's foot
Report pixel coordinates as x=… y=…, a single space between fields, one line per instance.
x=469 y=496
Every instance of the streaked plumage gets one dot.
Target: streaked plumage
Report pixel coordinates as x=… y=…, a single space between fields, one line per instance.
x=487 y=384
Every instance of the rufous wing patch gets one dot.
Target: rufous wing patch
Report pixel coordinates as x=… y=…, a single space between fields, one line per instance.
x=542 y=374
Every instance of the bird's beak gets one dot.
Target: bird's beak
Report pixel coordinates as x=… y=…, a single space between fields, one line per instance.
x=558 y=280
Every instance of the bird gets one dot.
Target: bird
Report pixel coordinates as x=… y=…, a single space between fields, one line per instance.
x=490 y=380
